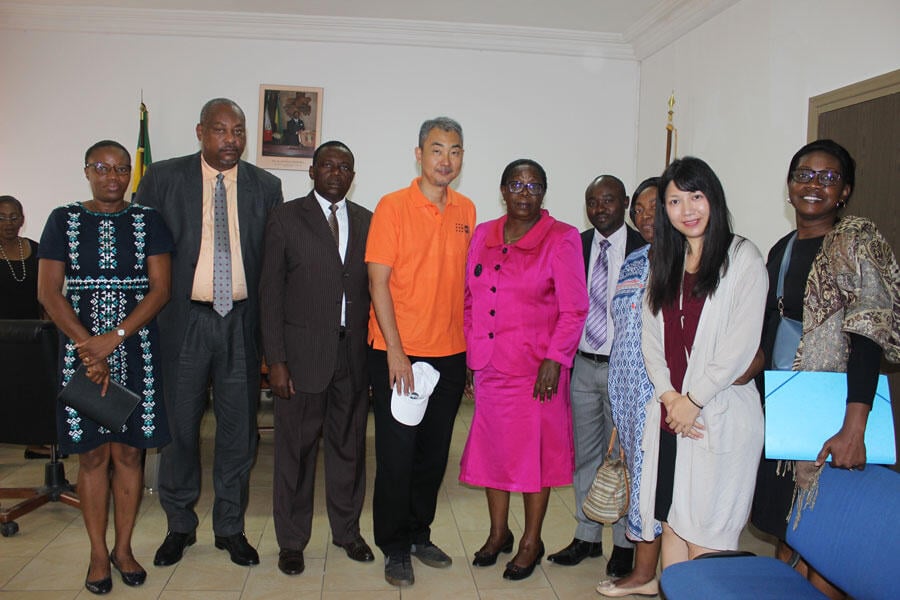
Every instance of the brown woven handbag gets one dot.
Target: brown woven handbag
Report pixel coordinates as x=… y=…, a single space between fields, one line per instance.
x=607 y=500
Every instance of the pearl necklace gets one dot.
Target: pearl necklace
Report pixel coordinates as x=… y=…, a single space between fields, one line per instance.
x=9 y=262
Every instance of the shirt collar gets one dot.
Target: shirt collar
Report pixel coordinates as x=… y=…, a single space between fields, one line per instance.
x=326 y=204
x=422 y=200
x=529 y=241
x=616 y=240
x=211 y=173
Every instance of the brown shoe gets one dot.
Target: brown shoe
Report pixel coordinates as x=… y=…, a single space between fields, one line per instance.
x=357 y=550
x=290 y=561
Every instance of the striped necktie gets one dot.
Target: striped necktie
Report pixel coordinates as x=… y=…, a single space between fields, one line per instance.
x=595 y=327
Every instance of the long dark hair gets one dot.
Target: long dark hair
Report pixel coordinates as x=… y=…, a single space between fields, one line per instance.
x=689 y=174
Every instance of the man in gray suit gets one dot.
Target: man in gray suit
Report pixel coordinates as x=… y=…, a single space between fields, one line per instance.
x=607 y=243
x=314 y=293
x=216 y=206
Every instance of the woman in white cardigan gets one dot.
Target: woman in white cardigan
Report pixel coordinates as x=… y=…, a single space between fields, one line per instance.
x=702 y=318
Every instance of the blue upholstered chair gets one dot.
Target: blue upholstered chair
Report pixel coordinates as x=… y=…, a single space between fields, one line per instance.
x=851 y=536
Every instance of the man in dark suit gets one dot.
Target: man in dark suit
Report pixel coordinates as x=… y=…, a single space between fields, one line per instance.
x=216 y=206
x=605 y=248
x=293 y=128
x=314 y=293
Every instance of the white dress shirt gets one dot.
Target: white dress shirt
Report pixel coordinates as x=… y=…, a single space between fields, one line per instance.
x=343 y=233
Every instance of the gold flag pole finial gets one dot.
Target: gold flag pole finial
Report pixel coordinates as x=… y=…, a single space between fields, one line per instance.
x=670 y=128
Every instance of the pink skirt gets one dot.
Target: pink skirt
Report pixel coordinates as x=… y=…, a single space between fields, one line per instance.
x=516 y=443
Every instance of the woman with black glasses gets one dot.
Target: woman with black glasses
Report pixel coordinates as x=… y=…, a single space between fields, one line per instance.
x=841 y=290
x=104 y=274
x=525 y=306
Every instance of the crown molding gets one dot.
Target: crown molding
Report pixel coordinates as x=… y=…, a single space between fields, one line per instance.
x=668 y=21
x=266 y=26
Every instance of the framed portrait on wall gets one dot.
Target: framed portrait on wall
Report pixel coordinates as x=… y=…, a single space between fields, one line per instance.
x=290 y=126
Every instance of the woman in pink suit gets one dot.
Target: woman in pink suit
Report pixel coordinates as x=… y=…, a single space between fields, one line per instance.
x=525 y=306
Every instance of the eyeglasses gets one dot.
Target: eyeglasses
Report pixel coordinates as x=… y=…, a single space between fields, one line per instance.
x=825 y=177
x=516 y=187
x=105 y=169
x=10 y=218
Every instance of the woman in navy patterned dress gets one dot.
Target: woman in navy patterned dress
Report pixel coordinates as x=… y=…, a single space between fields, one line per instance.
x=113 y=261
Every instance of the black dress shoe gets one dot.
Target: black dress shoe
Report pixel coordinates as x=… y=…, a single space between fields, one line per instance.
x=290 y=561
x=621 y=562
x=514 y=572
x=99 y=587
x=357 y=550
x=242 y=553
x=172 y=548
x=486 y=559
x=133 y=578
x=576 y=552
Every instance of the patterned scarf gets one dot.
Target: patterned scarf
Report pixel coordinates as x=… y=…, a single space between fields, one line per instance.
x=853 y=287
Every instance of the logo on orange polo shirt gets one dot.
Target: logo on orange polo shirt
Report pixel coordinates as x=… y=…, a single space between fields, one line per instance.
x=462 y=228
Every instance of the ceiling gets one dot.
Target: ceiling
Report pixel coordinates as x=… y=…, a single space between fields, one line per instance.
x=596 y=16
x=617 y=29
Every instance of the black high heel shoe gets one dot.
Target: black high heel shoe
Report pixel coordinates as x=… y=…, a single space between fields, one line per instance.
x=514 y=572
x=486 y=559
x=133 y=579
x=99 y=587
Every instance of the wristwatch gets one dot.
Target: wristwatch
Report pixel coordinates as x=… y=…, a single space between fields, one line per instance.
x=121 y=333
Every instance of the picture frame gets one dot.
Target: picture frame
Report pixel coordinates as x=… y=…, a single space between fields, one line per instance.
x=289 y=127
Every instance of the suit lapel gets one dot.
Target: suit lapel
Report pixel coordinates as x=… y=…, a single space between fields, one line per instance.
x=193 y=206
x=354 y=241
x=245 y=200
x=315 y=218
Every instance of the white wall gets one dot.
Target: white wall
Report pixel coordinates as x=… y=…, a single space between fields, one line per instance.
x=742 y=83
x=61 y=91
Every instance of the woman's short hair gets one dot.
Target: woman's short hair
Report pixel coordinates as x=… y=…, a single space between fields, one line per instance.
x=524 y=162
x=12 y=200
x=106 y=144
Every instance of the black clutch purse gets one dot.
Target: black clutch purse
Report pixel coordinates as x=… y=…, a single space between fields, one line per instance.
x=111 y=410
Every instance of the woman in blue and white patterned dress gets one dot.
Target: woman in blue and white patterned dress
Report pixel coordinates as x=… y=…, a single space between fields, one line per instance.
x=104 y=274
x=630 y=390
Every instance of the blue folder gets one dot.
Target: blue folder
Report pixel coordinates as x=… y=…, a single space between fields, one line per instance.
x=805 y=408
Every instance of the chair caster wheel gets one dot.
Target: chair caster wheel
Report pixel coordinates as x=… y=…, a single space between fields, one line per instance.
x=9 y=529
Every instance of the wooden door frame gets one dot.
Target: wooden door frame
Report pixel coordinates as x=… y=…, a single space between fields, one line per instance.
x=869 y=89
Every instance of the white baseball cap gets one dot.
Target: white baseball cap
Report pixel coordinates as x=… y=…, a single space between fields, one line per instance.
x=409 y=409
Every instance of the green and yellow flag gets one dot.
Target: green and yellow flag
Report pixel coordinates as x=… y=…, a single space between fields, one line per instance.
x=142 y=158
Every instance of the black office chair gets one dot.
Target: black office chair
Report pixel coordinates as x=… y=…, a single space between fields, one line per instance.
x=28 y=388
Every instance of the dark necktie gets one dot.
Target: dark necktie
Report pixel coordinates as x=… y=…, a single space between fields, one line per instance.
x=333 y=224
x=222 y=297
x=595 y=329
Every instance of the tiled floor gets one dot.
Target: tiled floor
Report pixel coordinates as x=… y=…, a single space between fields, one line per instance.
x=48 y=558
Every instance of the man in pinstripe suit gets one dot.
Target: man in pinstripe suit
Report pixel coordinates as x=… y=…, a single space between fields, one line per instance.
x=314 y=298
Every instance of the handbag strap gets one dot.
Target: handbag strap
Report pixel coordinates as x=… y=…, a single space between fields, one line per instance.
x=782 y=272
x=612 y=442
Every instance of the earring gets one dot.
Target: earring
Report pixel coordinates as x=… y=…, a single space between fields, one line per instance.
x=841 y=204
x=788 y=200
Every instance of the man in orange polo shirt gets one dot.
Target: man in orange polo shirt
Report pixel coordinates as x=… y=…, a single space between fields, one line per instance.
x=416 y=254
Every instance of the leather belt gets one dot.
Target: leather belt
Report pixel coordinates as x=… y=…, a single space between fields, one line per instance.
x=597 y=358
x=210 y=304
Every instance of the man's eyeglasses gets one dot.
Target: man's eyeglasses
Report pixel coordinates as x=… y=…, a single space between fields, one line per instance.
x=516 y=187
x=105 y=169
x=825 y=177
x=10 y=218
